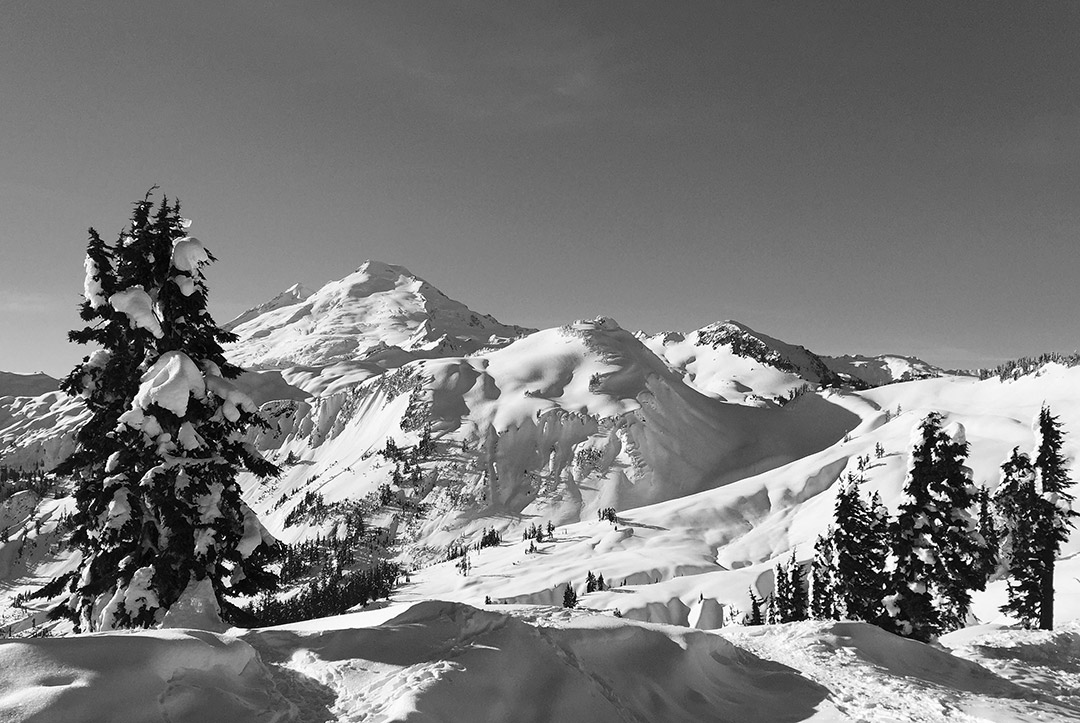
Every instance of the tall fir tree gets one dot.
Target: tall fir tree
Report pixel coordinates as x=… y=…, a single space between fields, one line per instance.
x=158 y=507
x=936 y=544
x=964 y=552
x=779 y=609
x=1018 y=505
x=798 y=591
x=1055 y=518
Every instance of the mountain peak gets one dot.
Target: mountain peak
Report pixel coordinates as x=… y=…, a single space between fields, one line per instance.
x=380 y=313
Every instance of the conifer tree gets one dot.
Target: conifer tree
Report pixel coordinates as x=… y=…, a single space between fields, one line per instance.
x=780 y=609
x=989 y=533
x=1055 y=514
x=590 y=582
x=1017 y=503
x=823 y=582
x=936 y=543
x=798 y=593
x=756 y=616
x=158 y=508
x=570 y=598
x=861 y=543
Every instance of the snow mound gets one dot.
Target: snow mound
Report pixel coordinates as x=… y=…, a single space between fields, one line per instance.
x=874 y=675
x=440 y=661
x=137 y=678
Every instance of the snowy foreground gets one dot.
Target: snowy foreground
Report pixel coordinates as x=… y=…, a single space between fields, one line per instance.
x=442 y=661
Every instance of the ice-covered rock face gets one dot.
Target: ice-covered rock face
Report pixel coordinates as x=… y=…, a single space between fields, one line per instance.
x=380 y=313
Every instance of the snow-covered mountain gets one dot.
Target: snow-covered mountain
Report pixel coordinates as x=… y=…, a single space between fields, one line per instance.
x=380 y=314
x=883 y=368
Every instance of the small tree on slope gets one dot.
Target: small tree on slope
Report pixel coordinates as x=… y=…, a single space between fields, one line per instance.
x=158 y=505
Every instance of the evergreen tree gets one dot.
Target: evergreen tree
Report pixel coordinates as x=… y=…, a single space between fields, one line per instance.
x=158 y=508
x=823 y=582
x=963 y=550
x=800 y=602
x=989 y=533
x=570 y=599
x=600 y=584
x=1055 y=514
x=861 y=540
x=936 y=543
x=1018 y=505
x=756 y=615
x=590 y=582
x=780 y=607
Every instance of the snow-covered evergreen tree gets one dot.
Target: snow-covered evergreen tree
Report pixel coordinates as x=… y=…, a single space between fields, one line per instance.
x=1055 y=514
x=158 y=505
x=823 y=583
x=1018 y=505
x=964 y=552
x=936 y=544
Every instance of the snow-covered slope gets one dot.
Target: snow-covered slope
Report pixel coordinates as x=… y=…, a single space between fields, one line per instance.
x=295 y=294
x=556 y=425
x=379 y=313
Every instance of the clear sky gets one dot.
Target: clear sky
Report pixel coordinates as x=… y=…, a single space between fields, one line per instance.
x=861 y=177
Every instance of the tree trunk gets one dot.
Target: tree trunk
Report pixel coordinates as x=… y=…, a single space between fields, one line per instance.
x=1046 y=606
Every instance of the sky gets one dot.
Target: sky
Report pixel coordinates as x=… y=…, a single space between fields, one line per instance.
x=853 y=177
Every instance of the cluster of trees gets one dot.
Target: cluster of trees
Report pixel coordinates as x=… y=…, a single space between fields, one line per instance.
x=332 y=592
x=15 y=479
x=609 y=514
x=1026 y=365
x=157 y=503
x=593 y=583
x=537 y=532
x=914 y=574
